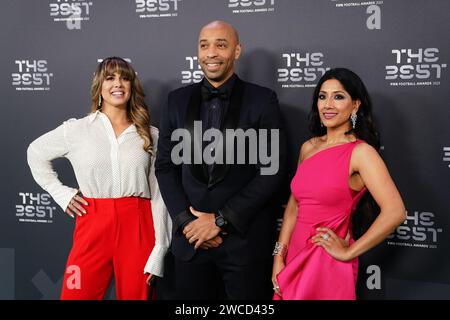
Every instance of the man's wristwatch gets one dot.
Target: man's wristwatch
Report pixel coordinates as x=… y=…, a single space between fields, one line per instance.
x=220 y=221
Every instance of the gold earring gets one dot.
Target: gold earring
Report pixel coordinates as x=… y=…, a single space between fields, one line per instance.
x=100 y=101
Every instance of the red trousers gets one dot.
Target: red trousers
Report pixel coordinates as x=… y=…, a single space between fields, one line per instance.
x=116 y=237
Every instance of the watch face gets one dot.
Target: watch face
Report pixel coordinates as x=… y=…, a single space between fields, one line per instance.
x=220 y=222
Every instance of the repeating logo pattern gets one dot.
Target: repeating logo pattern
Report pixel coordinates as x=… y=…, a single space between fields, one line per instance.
x=31 y=75
x=301 y=70
x=72 y=12
x=157 y=8
x=251 y=6
x=419 y=230
x=446 y=157
x=35 y=208
x=415 y=67
x=192 y=73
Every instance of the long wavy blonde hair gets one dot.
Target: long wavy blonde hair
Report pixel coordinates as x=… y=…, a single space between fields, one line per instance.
x=137 y=110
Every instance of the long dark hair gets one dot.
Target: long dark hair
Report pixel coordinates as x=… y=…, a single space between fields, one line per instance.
x=367 y=209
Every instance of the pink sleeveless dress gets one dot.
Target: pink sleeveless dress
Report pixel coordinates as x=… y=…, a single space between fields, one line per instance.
x=324 y=199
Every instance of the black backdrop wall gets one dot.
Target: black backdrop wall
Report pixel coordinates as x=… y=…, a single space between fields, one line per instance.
x=400 y=48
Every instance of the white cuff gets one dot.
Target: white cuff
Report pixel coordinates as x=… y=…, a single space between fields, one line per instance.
x=65 y=194
x=155 y=263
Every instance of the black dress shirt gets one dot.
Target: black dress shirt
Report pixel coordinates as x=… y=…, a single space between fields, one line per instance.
x=215 y=102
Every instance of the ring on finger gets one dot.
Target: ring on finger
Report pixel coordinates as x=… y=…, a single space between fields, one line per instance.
x=325 y=236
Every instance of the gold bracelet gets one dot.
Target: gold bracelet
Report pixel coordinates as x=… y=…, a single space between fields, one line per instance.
x=280 y=249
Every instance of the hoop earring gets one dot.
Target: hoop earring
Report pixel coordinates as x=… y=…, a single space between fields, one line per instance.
x=353 y=119
x=100 y=101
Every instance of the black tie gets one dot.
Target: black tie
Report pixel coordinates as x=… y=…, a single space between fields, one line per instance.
x=208 y=94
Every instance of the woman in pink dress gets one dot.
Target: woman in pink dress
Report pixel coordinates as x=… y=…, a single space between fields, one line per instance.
x=316 y=256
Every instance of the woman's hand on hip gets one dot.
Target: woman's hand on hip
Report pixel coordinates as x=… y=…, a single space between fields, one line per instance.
x=75 y=206
x=336 y=246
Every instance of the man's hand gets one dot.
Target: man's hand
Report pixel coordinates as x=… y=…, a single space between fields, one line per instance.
x=211 y=244
x=202 y=229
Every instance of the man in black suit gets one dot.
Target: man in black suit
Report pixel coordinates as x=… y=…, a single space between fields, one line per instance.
x=223 y=212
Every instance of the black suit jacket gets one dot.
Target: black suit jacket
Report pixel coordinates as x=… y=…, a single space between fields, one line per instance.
x=244 y=196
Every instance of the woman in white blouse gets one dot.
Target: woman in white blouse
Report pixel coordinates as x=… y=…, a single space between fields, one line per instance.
x=122 y=225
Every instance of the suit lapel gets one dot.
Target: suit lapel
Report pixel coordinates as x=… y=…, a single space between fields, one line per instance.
x=199 y=171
